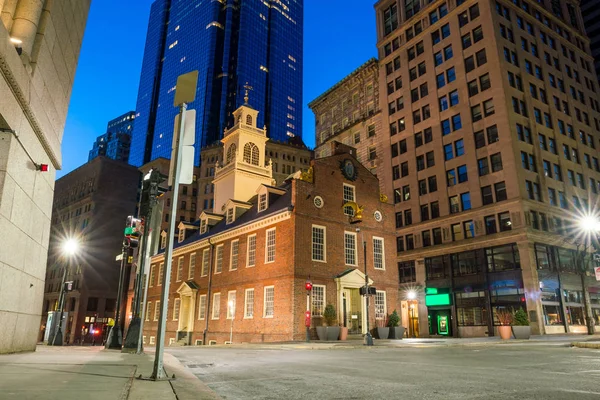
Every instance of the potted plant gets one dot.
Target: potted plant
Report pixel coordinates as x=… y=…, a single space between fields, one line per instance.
x=383 y=330
x=343 y=332
x=505 y=318
x=322 y=331
x=521 y=328
x=330 y=316
x=396 y=331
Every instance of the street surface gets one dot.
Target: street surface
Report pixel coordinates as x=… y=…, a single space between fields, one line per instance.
x=516 y=371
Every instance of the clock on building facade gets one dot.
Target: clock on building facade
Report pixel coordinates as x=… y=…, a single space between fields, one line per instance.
x=348 y=169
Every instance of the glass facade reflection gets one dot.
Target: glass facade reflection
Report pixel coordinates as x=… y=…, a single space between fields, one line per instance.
x=230 y=43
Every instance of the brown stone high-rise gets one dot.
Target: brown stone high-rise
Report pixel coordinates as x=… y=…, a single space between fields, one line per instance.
x=493 y=154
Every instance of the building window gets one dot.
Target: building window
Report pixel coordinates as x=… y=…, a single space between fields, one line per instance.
x=318 y=243
x=251 y=251
x=406 y=271
x=270 y=246
x=205 y=261
x=318 y=300
x=229 y=215
x=161 y=269
x=233 y=262
x=378 y=252
x=202 y=307
x=249 y=303
x=505 y=223
x=262 y=202
x=148 y=310
x=380 y=306
x=251 y=154
x=350 y=248
x=216 y=306
x=176 y=306
x=490 y=225
x=269 y=300
x=231 y=304
x=157 y=311
x=152 y=275
x=219 y=259
x=179 y=269
x=349 y=196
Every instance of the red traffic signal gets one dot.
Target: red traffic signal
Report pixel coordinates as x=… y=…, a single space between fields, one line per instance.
x=308 y=285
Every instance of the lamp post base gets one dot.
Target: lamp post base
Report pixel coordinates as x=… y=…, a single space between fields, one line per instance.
x=58 y=337
x=115 y=338
x=368 y=339
x=133 y=336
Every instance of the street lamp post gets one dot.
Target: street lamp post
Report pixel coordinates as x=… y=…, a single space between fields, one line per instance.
x=69 y=248
x=590 y=227
x=412 y=295
x=368 y=337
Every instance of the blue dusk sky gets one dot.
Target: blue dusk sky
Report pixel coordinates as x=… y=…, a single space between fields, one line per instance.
x=339 y=36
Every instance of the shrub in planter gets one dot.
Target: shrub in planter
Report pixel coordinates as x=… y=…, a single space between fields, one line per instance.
x=383 y=331
x=330 y=316
x=521 y=328
x=396 y=331
x=505 y=318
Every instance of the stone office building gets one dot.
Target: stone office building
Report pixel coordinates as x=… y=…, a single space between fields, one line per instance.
x=39 y=49
x=249 y=263
x=492 y=160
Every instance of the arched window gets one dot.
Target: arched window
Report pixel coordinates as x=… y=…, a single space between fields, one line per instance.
x=248 y=119
x=231 y=153
x=251 y=153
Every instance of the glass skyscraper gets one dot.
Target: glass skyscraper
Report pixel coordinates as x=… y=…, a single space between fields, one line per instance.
x=231 y=43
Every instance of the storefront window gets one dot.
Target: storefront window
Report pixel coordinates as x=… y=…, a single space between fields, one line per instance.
x=573 y=296
x=503 y=258
x=467 y=263
x=575 y=315
x=470 y=309
x=552 y=315
x=437 y=267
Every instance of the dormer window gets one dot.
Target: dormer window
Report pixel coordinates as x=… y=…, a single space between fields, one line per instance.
x=262 y=202
x=163 y=241
x=229 y=215
x=181 y=237
x=203 y=225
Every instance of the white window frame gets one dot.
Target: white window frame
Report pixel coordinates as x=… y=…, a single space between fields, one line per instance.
x=231 y=296
x=263 y=202
x=234 y=256
x=192 y=266
x=203 y=225
x=152 y=275
x=148 y=310
x=216 y=306
x=383 y=314
x=176 y=309
x=229 y=216
x=219 y=259
x=202 y=307
x=181 y=235
x=161 y=270
x=179 y=274
x=324 y=229
x=247 y=303
x=270 y=246
x=156 y=310
x=250 y=237
x=355 y=248
x=265 y=301
x=205 y=262
x=348 y=210
x=382 y=267
x=312 y=301
x=152 y=340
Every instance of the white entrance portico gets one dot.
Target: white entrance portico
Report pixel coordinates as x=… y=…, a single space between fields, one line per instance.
x=351 y=305
x=187 y=294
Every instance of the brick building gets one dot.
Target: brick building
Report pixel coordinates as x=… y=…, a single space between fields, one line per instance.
x=349 y=113
x=91 y=205
x=258 y=253
x=491 y=161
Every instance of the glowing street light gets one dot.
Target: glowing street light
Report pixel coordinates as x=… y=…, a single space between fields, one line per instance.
x=69 y=247
x=589 y=224
x=411 y=295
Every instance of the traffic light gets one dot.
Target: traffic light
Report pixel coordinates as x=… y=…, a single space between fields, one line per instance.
x=308 y=285
x=133 y=232
x=151 y=190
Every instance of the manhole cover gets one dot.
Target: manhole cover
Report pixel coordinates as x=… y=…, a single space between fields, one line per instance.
x=199 y=365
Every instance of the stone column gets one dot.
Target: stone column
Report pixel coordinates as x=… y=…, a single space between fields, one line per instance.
x=25 y=23
x=8 y=12
x=531 y=286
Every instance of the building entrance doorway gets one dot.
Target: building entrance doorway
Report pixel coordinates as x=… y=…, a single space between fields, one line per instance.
x=351 y=310
x=187 y=300
x=440 y=322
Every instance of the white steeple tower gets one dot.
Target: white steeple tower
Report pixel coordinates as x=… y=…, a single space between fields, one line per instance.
x=244 y=166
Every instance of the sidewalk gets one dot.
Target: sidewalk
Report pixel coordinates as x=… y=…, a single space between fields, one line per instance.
x=74 y=372
x=555 y=340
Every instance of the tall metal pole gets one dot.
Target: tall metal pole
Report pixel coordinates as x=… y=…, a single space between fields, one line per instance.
x=368 y=337
x=158 y=371
x=113 y=341
x=58 y=335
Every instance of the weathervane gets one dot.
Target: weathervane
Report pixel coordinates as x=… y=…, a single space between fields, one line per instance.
x=248 y=88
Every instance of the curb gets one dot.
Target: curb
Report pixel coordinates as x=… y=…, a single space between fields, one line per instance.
x=586 y=345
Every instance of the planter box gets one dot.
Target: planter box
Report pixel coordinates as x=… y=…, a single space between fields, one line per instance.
x=322 y=332
x=396 y=332
x=522 y=332
x=505 y=332
x=333 y=333
x=343 y=333
x=383 y=333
